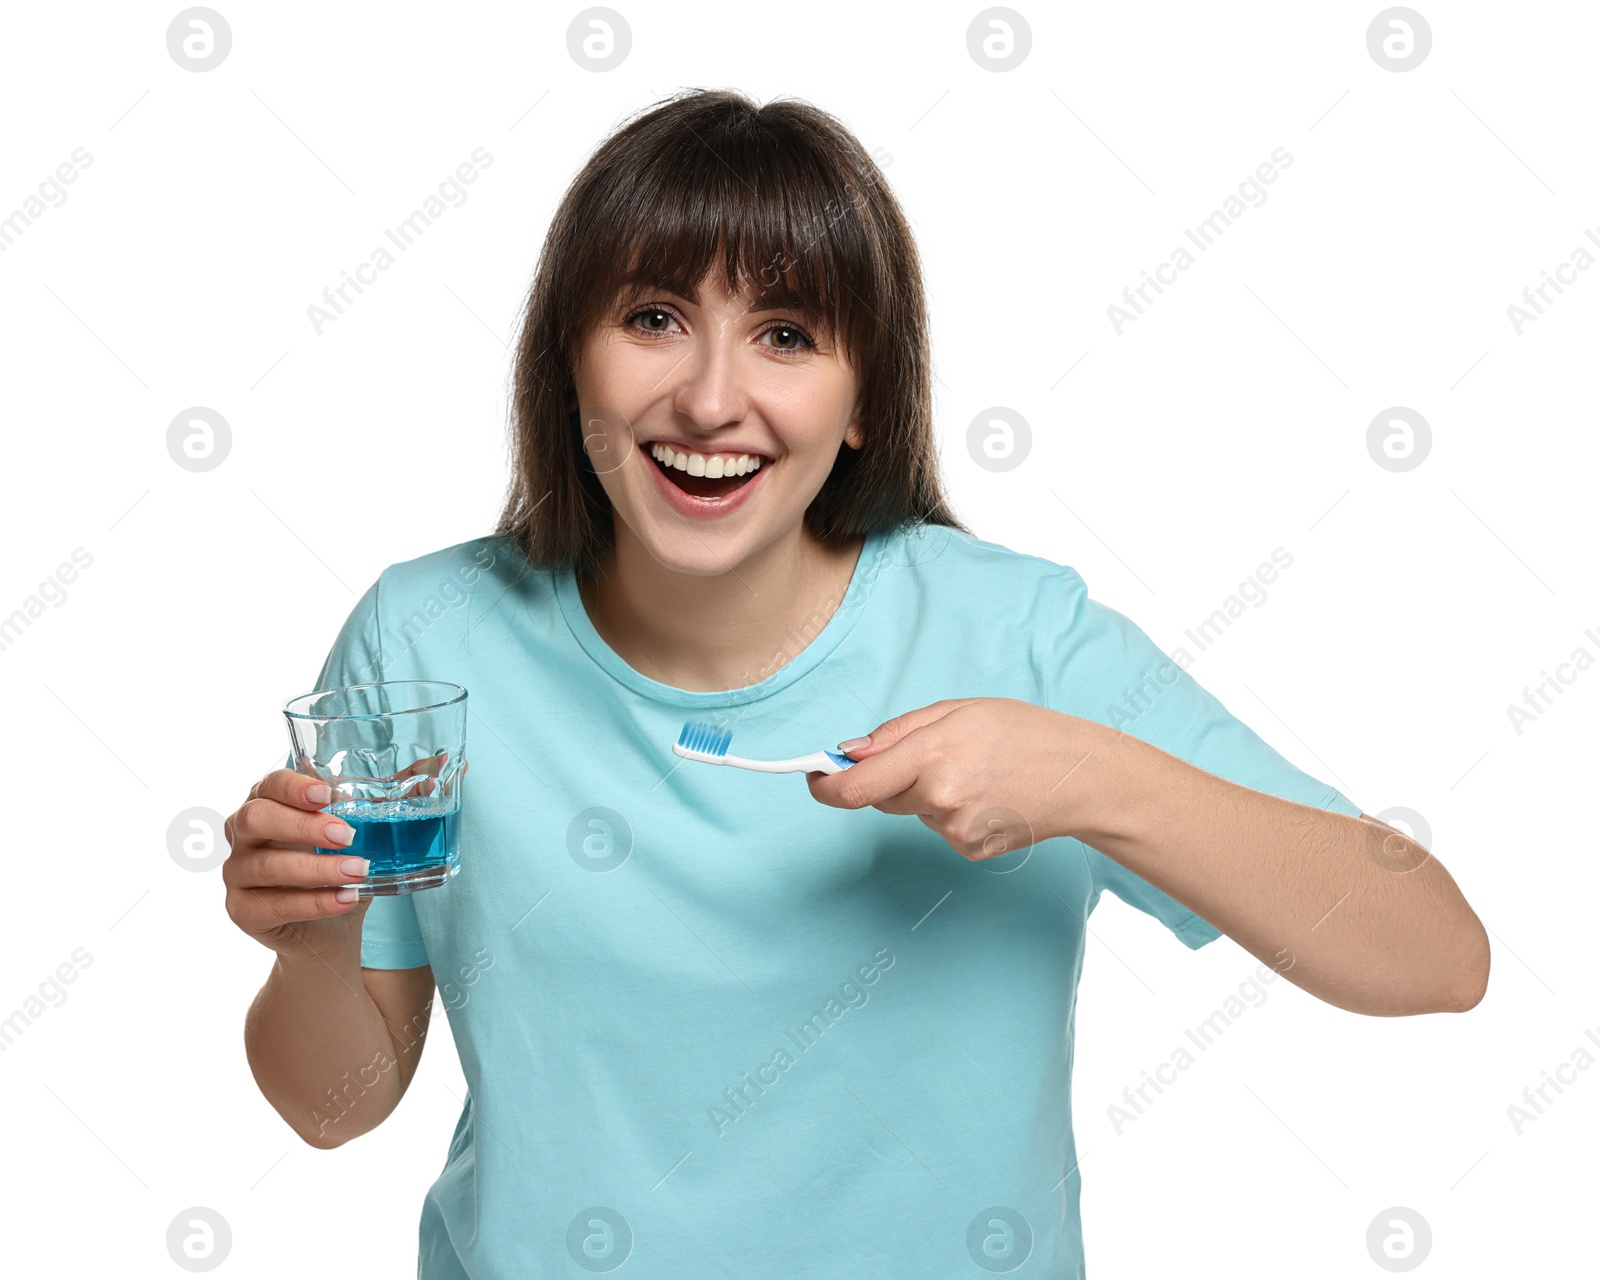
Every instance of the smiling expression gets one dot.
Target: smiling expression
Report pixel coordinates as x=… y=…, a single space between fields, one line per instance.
x=711 y=423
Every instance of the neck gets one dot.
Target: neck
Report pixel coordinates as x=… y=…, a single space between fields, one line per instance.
x=719 y=631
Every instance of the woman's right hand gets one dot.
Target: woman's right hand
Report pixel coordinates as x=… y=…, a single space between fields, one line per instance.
x=276 y=879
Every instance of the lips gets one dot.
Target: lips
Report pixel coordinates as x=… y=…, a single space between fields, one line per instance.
x=715 y=498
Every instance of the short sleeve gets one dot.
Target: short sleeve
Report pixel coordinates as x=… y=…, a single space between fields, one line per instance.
x=1100 y=666
x=1107 y=873
x=391 y=937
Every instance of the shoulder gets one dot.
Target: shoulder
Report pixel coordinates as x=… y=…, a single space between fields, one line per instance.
x=950 y=558
x=451 y=575
x=463 y=562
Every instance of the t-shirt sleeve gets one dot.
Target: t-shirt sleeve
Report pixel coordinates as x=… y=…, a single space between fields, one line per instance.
x=1100 y=666
x=391 y=937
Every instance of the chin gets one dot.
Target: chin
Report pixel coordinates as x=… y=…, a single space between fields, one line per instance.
x=701 y=553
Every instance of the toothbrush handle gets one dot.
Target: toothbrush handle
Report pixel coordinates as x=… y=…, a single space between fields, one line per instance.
x=816 y=762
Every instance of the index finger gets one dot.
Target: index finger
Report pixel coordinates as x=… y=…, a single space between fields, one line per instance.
x=298 y=790
x=897 y=728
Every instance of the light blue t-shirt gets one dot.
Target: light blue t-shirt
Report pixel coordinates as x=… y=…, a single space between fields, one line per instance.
x=712 y=1027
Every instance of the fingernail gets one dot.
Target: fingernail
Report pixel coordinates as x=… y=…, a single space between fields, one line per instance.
x=346 y=894
x=353 y=866
x=853 y=744
x=318 y=793
x=339 y=833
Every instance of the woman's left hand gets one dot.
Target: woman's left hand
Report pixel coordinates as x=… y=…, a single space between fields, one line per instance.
x=990 y=775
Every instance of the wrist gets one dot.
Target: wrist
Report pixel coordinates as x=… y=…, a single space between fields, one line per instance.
x=1116 y=780
x=320 y=967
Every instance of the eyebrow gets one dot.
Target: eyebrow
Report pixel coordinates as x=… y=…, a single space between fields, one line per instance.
x=761 y=303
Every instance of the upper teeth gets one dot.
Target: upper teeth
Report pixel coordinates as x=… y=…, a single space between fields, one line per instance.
x=714 y=466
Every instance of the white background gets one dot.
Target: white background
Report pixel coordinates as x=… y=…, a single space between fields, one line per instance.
x=1228 y=420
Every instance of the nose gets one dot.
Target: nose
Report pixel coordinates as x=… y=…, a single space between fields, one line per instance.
x=710 y=390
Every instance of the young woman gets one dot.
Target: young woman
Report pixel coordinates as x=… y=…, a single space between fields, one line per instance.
x=720 y=1022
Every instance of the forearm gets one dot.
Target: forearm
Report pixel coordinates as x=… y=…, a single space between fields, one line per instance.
x=1371 y=927
x=321 y=1052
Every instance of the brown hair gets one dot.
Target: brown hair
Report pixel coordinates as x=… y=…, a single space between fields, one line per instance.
x=802 y=215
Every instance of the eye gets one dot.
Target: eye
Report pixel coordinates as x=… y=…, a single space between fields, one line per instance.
x=788 y=338
x=656 y=319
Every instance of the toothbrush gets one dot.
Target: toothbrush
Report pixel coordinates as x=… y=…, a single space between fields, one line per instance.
x=709 y=744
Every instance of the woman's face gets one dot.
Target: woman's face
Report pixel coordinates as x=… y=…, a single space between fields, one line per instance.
x=710 y=379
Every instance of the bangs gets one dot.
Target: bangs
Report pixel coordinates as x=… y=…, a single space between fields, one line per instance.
x=732 y=209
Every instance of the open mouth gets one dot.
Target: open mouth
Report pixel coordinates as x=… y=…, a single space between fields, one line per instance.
x=703 y=486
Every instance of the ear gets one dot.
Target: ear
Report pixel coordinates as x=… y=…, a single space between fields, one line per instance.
x=853 y=435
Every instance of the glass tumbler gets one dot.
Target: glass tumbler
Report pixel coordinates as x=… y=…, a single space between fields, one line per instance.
x=394 y=755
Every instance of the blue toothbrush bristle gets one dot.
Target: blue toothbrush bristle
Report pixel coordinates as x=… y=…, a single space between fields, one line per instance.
x=705 y=738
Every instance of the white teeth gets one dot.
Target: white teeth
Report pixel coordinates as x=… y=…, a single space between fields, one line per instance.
x=711 y=465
